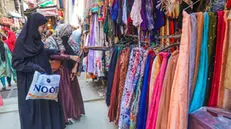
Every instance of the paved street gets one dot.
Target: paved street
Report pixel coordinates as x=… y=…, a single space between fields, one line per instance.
x=96 y=110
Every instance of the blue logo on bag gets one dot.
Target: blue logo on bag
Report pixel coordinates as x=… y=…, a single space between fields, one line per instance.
x=45 y=89
x=48 y=80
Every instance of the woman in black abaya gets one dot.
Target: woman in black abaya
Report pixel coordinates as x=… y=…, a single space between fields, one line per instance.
x=29 y=56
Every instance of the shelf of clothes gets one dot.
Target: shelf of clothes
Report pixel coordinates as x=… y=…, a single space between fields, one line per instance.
x=151 y=89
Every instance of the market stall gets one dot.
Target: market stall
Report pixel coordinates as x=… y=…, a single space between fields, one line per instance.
x=169 y=61
x=51 y=12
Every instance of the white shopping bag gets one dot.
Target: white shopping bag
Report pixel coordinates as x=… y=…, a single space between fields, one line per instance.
x=44 y=87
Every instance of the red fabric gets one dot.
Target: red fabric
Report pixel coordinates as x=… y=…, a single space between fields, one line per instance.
x=6 y=29
x=1 y=101
x=11 y=40
x=172 y=32
x=149 y=74
x=228 y=5
x=213 y=100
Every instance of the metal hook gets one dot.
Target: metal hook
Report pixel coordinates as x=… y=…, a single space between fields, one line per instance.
x=192 y=4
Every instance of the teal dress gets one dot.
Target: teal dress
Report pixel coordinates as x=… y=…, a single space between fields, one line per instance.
x=200 y=88
x=6 y=69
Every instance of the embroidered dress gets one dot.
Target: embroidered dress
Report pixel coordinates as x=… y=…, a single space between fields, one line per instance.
x=178 y=113
x=200 y=89
x=143 y=104
x=130 y=83
x=137 y=94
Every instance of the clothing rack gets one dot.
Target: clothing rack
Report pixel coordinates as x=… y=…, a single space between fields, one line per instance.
x=99 y=48
x=173 y=45
x=169 y=36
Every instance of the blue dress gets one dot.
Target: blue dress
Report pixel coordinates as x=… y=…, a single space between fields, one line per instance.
x=143 y=110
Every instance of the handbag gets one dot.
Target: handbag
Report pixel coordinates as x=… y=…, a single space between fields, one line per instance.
x=1 y=100
x=55 y=64
x=44 y=86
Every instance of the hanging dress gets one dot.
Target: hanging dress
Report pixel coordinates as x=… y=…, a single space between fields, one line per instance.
x=111 y=72
x=162 y=117
x=152 y=114
x=137 y=92
x=192 y=58
x=200 y=24
x=178 y=113
x=118 y=83
x=155 y=70
x=143 y=110
x=223 y=63
x=130 y=83
x=200 y=88
x=213 y=100
x=227 y=78
x=211 y=52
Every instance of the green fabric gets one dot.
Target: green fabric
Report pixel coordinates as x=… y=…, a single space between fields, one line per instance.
x=211 y=52
x=6 y=68
x=47 y=3
x=106 y=28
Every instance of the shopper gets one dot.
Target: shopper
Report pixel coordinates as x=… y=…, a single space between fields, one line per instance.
x=6 y=69
x=48 y=33
x=75 y=40
x=72 y=105
x=29 y=56
x=11 y=39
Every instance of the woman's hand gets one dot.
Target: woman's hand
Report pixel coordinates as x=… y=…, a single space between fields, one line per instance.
x=39 y=69
x=75 y=58
x=85 y=49
x=74 y=71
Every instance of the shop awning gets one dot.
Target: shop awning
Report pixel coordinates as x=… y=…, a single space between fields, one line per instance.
x=48 y=11
x=16 y=15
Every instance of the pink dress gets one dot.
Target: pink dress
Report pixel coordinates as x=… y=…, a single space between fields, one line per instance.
x=152 y=114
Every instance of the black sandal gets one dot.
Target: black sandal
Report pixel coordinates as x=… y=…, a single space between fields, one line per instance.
x=69 y=122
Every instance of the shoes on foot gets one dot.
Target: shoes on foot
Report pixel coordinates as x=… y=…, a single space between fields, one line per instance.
x=69 y=122
x=4 y=88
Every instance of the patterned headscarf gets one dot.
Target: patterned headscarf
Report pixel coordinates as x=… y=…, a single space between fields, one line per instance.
x=56 y=39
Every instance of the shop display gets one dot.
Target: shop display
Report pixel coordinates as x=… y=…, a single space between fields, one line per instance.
x=210 y=118
x=167 y=60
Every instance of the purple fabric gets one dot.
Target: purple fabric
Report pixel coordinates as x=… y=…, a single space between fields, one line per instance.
x=143 y=15
x=159 y=17
x=192 y=56
x=90 y=66
x=149 y=16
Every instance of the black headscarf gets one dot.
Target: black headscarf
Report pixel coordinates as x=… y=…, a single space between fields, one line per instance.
x=29 y=42
x=2 y=51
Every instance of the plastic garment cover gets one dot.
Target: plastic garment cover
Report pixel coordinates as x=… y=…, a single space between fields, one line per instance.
x=210 y=118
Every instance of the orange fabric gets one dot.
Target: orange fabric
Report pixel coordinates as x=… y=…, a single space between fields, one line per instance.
x=227 y=100
x=118 y=85
x=55 y=64
x=227 y=79
x=200 y=24
x=155 y=70
x=178 y=108
x=162 y=117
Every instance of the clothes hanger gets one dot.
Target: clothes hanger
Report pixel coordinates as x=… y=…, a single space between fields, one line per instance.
x=191 y=5
x=170 y=46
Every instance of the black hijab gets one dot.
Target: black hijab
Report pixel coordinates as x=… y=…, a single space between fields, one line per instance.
x=2 y=51
x=29 y=42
